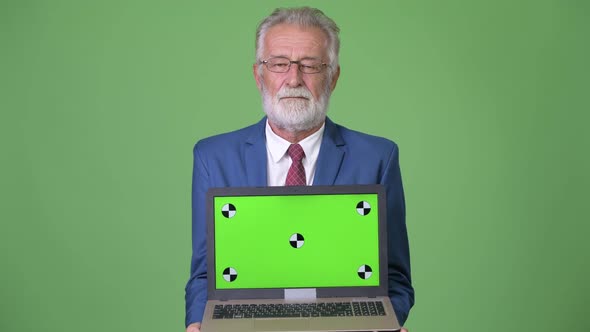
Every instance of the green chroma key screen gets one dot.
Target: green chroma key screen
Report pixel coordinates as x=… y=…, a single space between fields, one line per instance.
x=296 y=241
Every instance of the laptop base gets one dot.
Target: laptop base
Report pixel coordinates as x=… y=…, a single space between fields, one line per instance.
x=381 y=323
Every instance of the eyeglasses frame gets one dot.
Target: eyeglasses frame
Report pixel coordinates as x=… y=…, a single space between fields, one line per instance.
x=323 y=65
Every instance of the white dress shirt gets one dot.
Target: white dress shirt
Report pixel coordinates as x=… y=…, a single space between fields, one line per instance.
x=278 y=161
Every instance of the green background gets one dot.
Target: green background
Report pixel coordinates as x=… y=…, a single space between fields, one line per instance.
x=102 y=101
x=337 y=241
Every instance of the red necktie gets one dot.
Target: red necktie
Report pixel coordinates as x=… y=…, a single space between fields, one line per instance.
x=296 y=174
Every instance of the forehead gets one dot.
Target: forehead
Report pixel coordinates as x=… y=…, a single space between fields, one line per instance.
x=292 y=40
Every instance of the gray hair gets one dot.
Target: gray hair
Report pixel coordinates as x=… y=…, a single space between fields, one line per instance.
x=303 y=17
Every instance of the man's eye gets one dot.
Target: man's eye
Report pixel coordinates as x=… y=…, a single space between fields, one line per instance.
x=280 y=65
x=310 y=64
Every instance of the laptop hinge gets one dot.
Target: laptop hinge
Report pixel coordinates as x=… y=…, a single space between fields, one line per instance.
x=300 y=294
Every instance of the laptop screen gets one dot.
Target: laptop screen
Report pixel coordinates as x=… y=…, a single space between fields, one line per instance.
x=284 y=239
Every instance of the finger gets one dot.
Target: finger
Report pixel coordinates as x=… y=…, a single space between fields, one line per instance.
x=195 y=327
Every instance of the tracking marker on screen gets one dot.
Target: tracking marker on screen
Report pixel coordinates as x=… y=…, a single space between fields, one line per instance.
x=365 y=272
x=228 y=210
x=296 y=240
x=230 y=274
x=363 y=208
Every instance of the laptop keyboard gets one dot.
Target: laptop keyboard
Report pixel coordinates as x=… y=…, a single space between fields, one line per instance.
x=293 y=310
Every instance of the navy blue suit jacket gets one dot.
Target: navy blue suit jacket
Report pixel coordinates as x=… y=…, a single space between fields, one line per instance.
x=238 y=159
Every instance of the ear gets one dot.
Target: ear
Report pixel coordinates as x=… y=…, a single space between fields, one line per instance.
x=335 y=79
x=257 y=77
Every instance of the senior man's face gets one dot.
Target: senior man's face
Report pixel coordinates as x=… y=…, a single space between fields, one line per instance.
x=293 y=100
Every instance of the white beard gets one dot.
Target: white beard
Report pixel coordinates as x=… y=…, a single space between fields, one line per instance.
x=295 y=115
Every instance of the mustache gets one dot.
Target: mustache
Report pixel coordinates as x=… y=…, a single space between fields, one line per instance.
x=294 y=92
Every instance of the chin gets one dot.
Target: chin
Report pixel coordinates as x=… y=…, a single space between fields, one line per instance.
x=297 y=122
x=295 y=115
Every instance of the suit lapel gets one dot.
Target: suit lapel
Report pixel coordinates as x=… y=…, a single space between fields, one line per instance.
x=330 y=157
x=255 y=155
x=328 y=164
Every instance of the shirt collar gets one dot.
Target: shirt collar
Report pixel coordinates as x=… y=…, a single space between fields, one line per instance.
x=277 y=146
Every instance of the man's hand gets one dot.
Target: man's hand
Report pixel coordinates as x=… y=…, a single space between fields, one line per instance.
x=402 y=330
x=195 y=327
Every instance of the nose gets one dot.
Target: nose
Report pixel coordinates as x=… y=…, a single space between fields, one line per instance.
x=294 y=76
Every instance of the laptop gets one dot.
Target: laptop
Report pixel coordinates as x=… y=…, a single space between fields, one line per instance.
x=303 y=258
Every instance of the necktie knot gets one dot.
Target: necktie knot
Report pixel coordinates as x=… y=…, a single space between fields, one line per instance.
x=295 y=151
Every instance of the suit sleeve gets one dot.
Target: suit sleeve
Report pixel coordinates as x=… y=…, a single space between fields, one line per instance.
x=196 y=288
x=401 y=291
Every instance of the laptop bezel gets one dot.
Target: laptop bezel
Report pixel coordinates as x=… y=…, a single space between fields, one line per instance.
x=279 y=293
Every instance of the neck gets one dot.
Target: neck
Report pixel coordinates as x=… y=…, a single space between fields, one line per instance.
x=293 y=136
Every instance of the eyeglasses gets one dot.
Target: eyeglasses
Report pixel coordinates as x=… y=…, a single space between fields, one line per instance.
x=282 y=65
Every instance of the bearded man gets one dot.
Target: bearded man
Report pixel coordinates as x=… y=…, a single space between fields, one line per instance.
x=296 y=71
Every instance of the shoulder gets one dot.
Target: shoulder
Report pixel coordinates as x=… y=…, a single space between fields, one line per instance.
x=232 y=139
x=354 y=139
